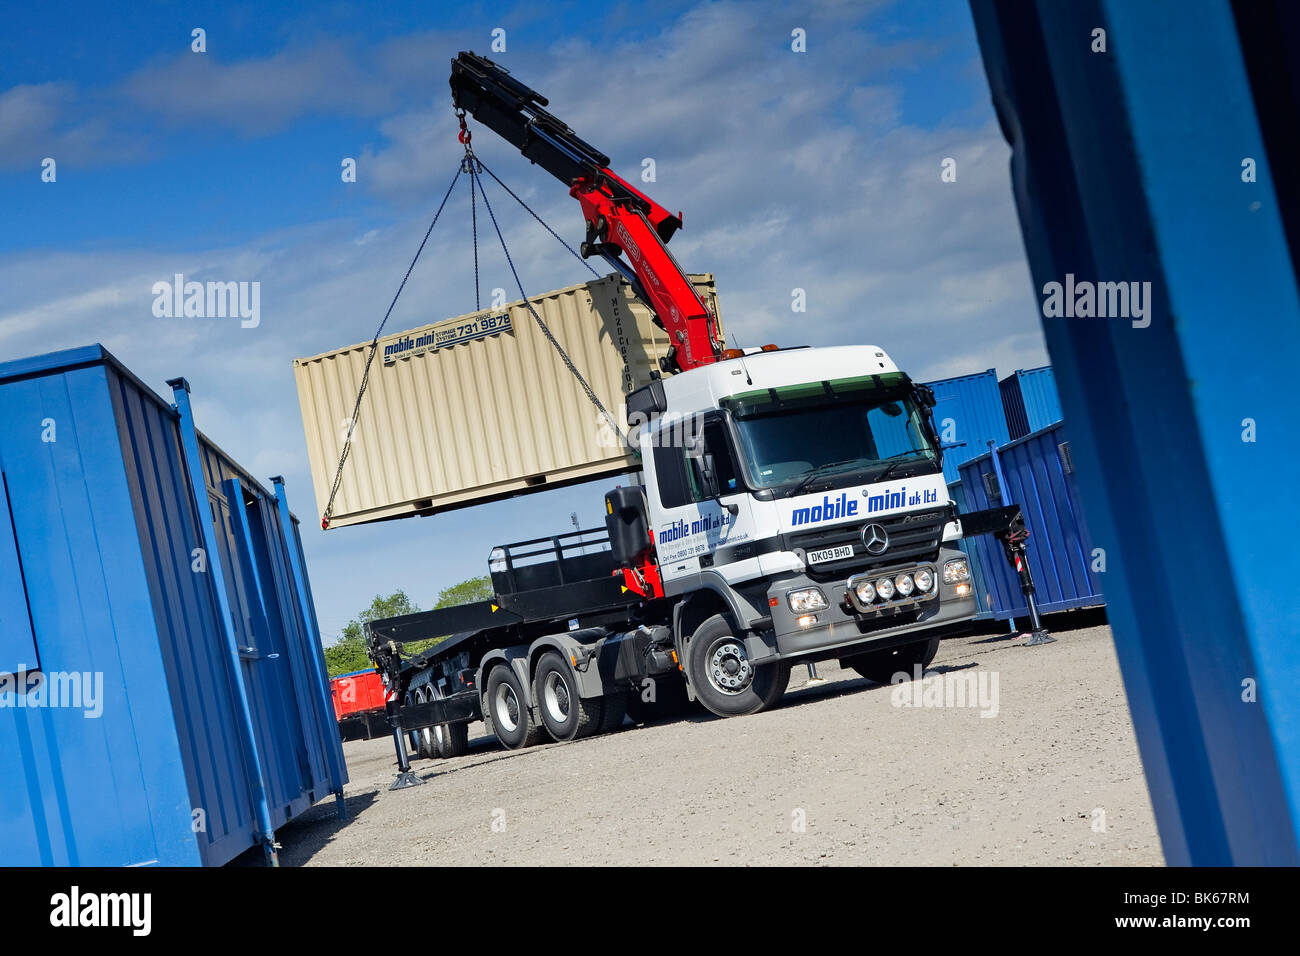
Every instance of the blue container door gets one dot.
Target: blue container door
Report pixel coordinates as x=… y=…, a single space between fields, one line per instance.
x=322 y=727
x=278 y=668
x=263 y=662
x=999 y=589
x=199 y=679
x=1059 y=550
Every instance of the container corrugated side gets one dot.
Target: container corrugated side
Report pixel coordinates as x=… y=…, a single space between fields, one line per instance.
x=108 y=790
x=1039 y=475
x=487 y=417
x=968 y=415
x=1030 y=400
x=105 y=523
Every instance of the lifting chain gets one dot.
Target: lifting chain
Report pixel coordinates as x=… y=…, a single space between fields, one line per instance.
x=470 y=165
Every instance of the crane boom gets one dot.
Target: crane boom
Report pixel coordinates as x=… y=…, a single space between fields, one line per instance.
x=621 y=220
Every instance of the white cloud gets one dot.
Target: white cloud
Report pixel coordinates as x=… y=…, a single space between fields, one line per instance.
x=39 y=120
x=260 y=94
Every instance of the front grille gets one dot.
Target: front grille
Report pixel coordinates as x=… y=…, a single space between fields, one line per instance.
x=913 y=537
x=897 y=618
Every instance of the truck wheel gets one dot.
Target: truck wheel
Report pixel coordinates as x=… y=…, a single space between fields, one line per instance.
x=881 y=666
x=724 y=679
x=506 y=703
x=451 y=740
x=565 y=715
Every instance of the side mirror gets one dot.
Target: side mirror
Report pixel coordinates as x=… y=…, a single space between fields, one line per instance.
x=709 y=473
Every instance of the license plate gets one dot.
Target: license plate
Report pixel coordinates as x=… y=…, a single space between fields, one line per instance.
x=831 y=554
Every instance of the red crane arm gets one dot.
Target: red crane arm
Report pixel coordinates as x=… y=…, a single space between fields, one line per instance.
x=621 y=227
x=621 y=220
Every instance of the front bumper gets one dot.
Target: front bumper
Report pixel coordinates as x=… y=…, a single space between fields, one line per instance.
x=841 y=625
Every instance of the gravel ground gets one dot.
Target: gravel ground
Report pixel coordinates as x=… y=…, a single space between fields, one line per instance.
x=839 y=773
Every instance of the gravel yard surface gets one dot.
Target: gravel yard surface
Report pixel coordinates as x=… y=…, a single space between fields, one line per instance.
x=1040 y=766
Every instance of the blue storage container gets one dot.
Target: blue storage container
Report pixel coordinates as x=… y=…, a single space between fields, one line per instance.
x=1029 y=400
x=968 y=415
x=142 y=565
x=1037 y=473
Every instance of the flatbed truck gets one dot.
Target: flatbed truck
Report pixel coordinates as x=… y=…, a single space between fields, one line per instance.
x=790 y=508
x=754 y=544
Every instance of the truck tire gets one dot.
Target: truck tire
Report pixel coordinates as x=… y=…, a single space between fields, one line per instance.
x=451 y=740
x=670 y=701
x=505 y=702
x=881 y=666
x=612 y=717
x=725 y=681
x=565 y=715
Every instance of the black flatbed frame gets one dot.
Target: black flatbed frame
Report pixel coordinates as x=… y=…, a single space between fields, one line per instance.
x=533 y=597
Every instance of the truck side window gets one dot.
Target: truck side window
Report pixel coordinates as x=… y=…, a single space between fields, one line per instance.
x=670 y=476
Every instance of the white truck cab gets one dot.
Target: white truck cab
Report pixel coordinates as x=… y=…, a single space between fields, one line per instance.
x=798 y=511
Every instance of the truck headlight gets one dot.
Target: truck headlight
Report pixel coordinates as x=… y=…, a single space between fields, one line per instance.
x=955 y=571
x=866 y=592
x=885 y=588
x=904 y=584
x=924 y=580
x=808 y=599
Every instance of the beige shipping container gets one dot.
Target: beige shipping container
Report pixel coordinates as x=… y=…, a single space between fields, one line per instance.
x=481 y=407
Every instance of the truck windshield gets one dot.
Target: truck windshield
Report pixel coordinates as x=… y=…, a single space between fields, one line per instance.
x=840 y=430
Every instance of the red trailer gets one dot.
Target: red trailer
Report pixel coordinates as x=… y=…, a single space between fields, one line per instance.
x=359 y=704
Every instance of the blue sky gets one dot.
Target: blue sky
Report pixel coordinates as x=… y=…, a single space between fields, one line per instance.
x=817 y=170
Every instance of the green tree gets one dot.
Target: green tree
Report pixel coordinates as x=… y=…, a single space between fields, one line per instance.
x=466 y=592
x=349 y=654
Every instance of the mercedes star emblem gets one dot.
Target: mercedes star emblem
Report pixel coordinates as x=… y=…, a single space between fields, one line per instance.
x=875 y=539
